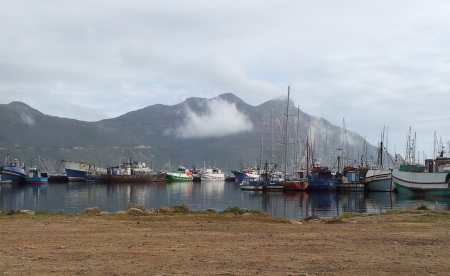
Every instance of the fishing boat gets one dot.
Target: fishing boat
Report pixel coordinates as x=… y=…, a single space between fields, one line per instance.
x=379 y=180
x=212 y=174
x=379 y=177
x=251 y=185
x=246 y=173
x=350 y=176
x=132 y=171
x=321 y=178
x=77 y=171
x=265 y=182
x=349 y=179
x=14 y=172
x=35 y=176
x=431 y=179
x=181 y=174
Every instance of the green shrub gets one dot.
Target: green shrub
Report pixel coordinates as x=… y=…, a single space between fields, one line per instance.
x=181 y=208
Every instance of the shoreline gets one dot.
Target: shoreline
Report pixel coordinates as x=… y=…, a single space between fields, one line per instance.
x=401 y=242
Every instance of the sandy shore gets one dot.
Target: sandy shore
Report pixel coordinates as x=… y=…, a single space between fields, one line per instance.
x=395 y=243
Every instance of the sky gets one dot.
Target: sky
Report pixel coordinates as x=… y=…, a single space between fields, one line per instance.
x=370 y=65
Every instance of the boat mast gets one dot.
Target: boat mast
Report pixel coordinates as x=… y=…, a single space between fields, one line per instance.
x=381 y=150
x=325 y=159
x=345 y=144
x=286 y=134
x=273 y=154
x=300 y=154
x=307 y=156
x=260 y=155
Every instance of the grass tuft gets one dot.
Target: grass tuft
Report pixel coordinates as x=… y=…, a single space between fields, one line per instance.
x=181 y=209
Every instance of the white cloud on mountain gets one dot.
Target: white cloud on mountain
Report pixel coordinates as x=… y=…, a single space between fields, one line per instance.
x=221 y=119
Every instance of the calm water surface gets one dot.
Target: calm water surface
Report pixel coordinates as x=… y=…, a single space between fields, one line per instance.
x=217 y=195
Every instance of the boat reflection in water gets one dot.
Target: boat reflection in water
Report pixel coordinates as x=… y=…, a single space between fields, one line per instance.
x=216 y=195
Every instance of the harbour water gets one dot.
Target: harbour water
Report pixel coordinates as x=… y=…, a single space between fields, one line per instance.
x=216 y=195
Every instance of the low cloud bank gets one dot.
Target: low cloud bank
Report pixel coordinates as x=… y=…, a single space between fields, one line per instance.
x=221 y=119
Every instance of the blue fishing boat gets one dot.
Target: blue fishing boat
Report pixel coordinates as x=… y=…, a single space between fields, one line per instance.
x=321 y=178
x=13 y=171
x=247 y=173
x=239 y=175
x=78 y=171
x=35 y=176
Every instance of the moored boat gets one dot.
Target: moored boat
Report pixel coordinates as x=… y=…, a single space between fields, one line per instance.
x=321 y=178
x=379 y=180
x=182 y=174
x=251 y=185
x=212 y=174
x=35 y=176
x=431 y=179
x=14 y=172
x=246 y=173
x=379 y=177
x=132 y=171
x=349 y=179
x=265 y=182
x=77 y=171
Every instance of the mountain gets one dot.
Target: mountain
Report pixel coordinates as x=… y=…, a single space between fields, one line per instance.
x=223 y=131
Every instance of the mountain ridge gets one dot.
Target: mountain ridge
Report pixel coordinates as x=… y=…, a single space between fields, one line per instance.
x=223 y=131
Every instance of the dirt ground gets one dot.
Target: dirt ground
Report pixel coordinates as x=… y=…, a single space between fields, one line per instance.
x=394 y=243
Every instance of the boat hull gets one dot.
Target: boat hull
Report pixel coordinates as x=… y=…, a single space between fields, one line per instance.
x=174 y=176
x=239 y=176
x=379 y=181
x=36 y=180
x=320 y=178
x=77 y=171
x=75 y=175
x=157 y=177
x=423 y=183
x=212 y=176
x=15 y=175
x=322 y=185
x=295 y=185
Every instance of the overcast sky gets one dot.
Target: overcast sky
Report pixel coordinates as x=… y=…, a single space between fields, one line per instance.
x=375 y=63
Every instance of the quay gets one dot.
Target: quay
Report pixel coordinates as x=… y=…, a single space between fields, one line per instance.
x=58 y=178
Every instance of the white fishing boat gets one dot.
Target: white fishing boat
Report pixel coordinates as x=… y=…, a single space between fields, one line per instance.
x=379 y=180
x=379 y=177
x=431 y=179
x=212 y=174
